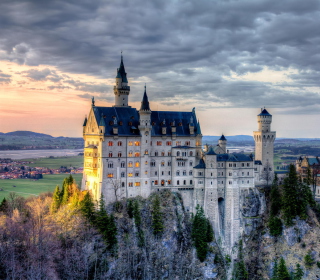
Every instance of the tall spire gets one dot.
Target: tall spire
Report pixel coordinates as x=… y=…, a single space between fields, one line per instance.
x=121 y=71
x=145 y=102
x=121 y=89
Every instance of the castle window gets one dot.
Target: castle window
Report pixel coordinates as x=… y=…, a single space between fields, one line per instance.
x=130 y=164
x=248 y=182
x=190 y=163
x=110 y=164
x=234 y=165
x=190 y=182
x=130 y=154
x=159 y=143
x=122 y=184
x=153 y=124
x=184 y=154
x=184 y=182
x=123 y=164
x=169 y=172
x=110 y=175
x=221 y=164
x=130 y=184
x=110 y=154
x=111 y=123
x=130 y=123
x=168 y=143
x=230 y=182
x=169 y=154
x=178 y=154
x=187 y=143
x=156 y=154
x=156 y=173
x=230 y=164
x=178 y=143
x=178 y=173
x=136 y=174
x=156 y=182
x=178 y=182
x=146 y=172
x=137 y=164
x=120 y=123
x=242 y=173
x=169 y=183
x=169 y=163
x=248 y=164
x=146 y=152
x=200 y=182
x=190 y=172
x=200 y=173
x=137 y=143
x=130 y=174
x=184 y=173
x=146 y=182
x=146 y=162
x=119 y=143
x=162 y=163
x=130 y=143
x=152 y=163
x=248 y=173
x=221 y=173
x=191 y=154
x=230 y=173
x=242 y=164
x=211 y=184
x=137 y=184
x=162 y=154
x=122 y=174
x=119 y=154
x=110 y=143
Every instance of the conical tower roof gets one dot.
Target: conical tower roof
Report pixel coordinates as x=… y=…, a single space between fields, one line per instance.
x=145 y=102
x=121 y=73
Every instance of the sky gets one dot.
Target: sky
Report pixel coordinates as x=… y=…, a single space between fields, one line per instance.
x=226 y=58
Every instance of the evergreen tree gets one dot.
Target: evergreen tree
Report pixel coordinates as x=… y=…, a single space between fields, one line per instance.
x=130 y=208
x=102 y=218
x=4 y=205
x=136 y=213
x=56 y=200
x=240 y=271
x=112 y=233
x=199 y=233
x=298 y=273
x=275 y=197
x=275 y=226
x=209 y=232
x=87 y=207
x=157 y=222
x=283 y=273
x=275 y=271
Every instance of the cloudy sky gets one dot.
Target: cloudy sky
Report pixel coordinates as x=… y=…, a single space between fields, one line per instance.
x=226 y=58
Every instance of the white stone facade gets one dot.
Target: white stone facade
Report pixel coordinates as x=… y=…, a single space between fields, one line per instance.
x=132 y=153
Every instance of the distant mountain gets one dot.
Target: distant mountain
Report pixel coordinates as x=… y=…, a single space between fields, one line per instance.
x=28 y=134
x=235 y=138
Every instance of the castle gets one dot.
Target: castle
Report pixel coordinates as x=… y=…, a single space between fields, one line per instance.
x=130 y=152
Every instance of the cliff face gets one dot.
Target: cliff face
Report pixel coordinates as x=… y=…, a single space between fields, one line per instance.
x=170 y=255
x=261 y=250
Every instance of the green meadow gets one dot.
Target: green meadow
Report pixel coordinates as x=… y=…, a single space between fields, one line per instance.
x=57 y=162
x=30 y=187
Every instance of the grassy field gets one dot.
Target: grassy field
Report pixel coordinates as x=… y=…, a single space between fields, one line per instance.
x=28 y=187
x=56 y=162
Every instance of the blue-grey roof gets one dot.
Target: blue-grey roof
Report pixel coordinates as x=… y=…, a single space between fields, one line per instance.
x=145 y=102
x=257 y=162
x=222 y=138
x=211 y=152
x=281 y=171
x=312 y=161
x=122 y=72
x=233 y=157
x=85 y=121
x=128 y=121
x=264 y=112
x=201 y=165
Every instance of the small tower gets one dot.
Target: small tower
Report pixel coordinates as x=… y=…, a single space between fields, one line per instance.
x=223 y=143
x=264 y=139
x=121 y=89
x=145 y=131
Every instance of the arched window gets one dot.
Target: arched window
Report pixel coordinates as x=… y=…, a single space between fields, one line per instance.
x=184 y=173
x=137 y=154
x=162 y=153
x=110 y=164
x=119 y=143
x=178 y=154
x=156 y=182
x=190 y=182
x=119 y=154
x=190 y=172
x=110 y=154
x=146 y=152
x=184 y=182
x=137 y=143
x=130 y=164
x=123 y=164
x=130 y=154
x=156 y=154
x=110 y=143
x=178 y=173
x=178 y=182
x=191 y=154
x=122 y=174
x=191 y=163
x=137 y=164
x=162 y=163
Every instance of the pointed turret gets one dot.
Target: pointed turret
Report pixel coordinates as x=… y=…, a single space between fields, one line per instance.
x=121 y=89
x=145 y=102
x=85 y=121
x=223 y=143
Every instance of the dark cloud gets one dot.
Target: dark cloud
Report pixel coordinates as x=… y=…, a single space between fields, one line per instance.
x=184 y=49
x=4 y=78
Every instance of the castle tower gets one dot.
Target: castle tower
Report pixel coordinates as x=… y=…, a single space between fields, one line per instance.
x=223 y=143
x=264 y=139
x=145 y=131
x=121 y=89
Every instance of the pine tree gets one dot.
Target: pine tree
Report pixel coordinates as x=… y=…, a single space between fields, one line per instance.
x=298 y=273
x=112 y=233
x=4 y=205
x=55 y=200
x=130 y=208
x=275 y=197
x=209 y=232
x=240 y=271
x=102 y=218
x=87 y=207
x=275 y=226
x=199 y=234
x=275 y=271
x=157 y=222
x=283 y=273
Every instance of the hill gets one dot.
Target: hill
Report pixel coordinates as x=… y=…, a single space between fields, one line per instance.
x=28 y=134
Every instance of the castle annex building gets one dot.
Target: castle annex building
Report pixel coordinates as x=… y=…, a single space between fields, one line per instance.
x=130 y=152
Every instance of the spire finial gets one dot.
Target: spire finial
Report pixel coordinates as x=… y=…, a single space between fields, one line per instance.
x=145 y=87
x=92 y=101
